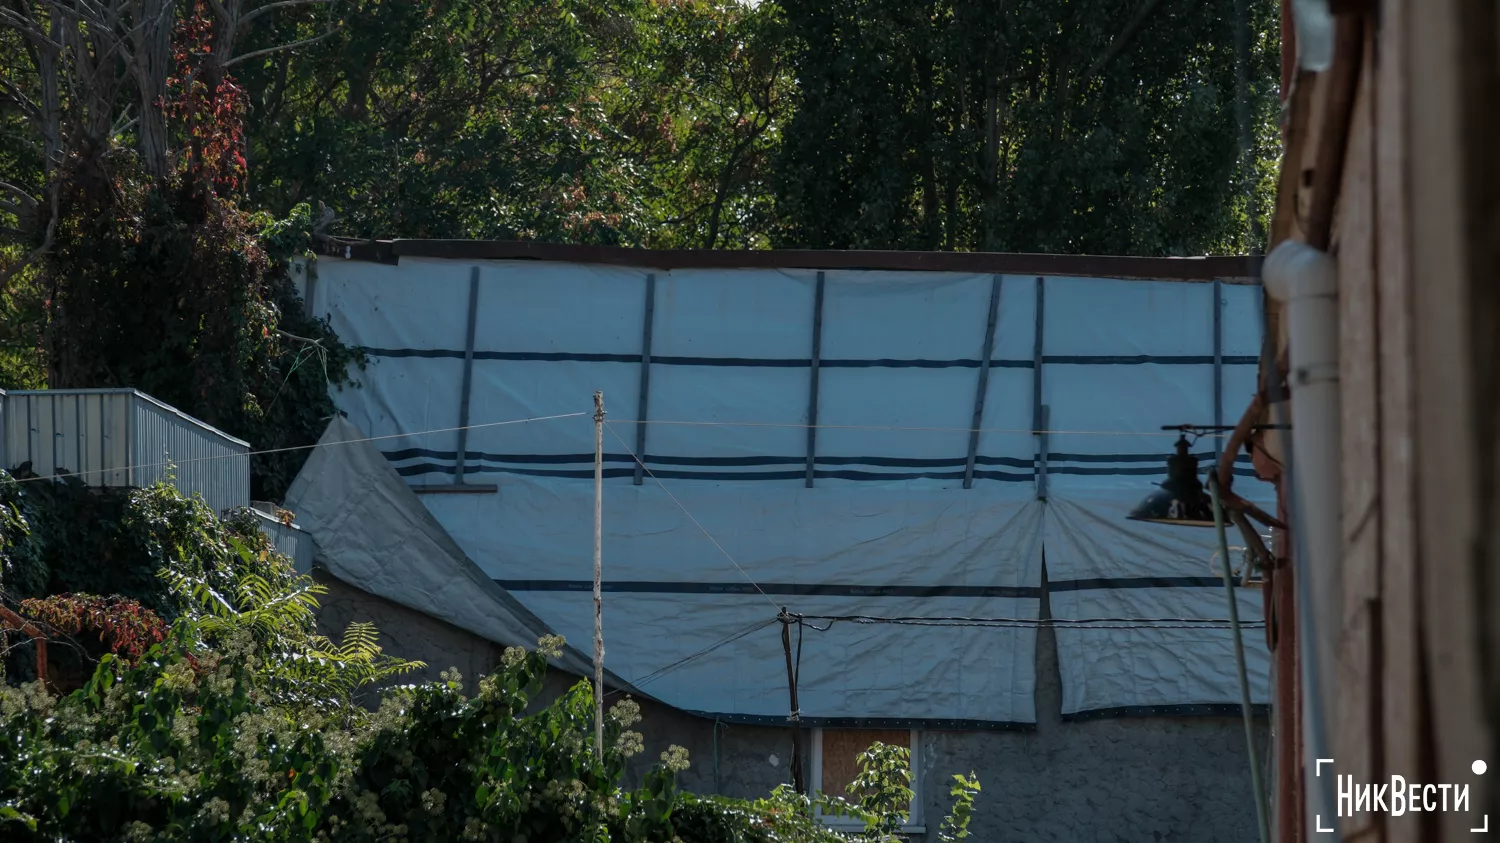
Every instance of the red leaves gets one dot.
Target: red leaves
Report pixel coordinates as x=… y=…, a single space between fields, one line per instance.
x=126 y=627
x=210 y=105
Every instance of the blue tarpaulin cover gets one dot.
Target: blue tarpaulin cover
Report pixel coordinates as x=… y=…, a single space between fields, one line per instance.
x=724 y=531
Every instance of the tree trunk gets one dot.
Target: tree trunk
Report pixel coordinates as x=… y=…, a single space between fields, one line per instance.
x=931 y=222
x=153 y=63
x=51 y=106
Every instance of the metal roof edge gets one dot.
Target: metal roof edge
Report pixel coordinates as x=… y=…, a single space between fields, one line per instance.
x=1229 y=268
x=126 y=390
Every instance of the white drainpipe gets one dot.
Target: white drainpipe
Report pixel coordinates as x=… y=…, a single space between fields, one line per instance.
x=1305 y=281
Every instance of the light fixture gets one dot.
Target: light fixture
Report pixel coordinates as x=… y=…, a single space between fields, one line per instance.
x=1182 y=500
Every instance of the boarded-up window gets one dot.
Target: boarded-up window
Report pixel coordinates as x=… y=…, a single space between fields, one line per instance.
x=840 y=751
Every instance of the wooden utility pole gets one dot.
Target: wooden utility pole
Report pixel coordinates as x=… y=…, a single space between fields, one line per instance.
x=796 y=716
x=599 y=573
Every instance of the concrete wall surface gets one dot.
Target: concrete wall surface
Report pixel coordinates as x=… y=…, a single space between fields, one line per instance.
x=1131 y=780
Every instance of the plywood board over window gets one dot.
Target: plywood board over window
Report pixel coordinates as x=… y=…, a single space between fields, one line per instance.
x=835 y=760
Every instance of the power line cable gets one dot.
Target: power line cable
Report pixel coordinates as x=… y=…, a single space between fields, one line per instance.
x=1028 y=623
x=690 y=517
x=684 y=662
x=482 y=425
x=896 y=428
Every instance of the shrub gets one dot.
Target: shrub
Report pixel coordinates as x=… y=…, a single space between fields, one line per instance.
x=240 y=722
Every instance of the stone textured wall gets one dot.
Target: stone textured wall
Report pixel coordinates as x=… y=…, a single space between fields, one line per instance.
x=1137 y=780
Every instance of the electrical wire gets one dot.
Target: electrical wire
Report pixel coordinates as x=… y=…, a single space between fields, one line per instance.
x=263 y=452
x=683 y=662
x=1029 y=623
x=877 y=427
x=483 y=425
x=690 y=517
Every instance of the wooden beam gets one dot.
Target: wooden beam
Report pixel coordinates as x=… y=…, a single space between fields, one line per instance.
x=1400 y=634
x=1356 y=732
x=1449 y=525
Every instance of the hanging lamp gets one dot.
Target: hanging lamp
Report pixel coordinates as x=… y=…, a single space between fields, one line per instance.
x=1182 y=500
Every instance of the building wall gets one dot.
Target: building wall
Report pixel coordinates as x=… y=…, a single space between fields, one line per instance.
x=1130 y=780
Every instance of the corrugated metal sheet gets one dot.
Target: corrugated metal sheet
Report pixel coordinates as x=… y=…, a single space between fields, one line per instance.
x=169 y=443
x=123 y=437
x=290 y=541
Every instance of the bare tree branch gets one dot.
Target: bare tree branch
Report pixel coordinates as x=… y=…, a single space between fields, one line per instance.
x=292 y=46
x=269 y=7
x=27 y=28
x=20 y=193
x=21 y=101
x=35 y=254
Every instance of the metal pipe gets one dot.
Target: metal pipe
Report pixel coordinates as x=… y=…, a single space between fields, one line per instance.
x=1239 y=662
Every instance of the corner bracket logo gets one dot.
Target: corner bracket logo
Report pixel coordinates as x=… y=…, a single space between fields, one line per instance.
x=1398 y=797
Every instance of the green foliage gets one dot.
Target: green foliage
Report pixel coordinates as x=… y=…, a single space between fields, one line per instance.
x=883 y=788
x=955 y=826
x=179 y=297
x=1032 y=127
x=22 y=363
x=65 y=537
x=950 y=124
x=185 y=746
x=480 y=118
x=242 y=725
x=297 y=668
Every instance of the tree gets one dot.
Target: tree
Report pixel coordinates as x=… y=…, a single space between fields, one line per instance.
x=135 y=248
x=710 y=88
x=1058 y=127
x=474 y=118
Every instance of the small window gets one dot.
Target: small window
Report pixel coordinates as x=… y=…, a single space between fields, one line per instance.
x=835 y=764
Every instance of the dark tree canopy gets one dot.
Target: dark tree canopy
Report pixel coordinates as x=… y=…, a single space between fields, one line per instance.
x=1066 y=126
x=1070 y=126
x=160 y=159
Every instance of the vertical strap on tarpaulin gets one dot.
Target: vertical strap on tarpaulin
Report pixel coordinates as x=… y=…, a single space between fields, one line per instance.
x=1218 y=367
x=1039 y=411
x=812 y=391
x=984 y=381
x=644 y=408
x=468 y=384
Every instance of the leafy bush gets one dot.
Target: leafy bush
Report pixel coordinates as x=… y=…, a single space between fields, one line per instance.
x=197 y=744
x=66 y=537
x=240 y=722
x=122 y=625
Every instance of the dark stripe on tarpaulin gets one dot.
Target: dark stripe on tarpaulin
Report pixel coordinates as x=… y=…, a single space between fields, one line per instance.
x=1110 y=583
x=482 y=466
x=1188 y=710
x=588 y=459
x=793 y=589
x=835 y=590
x=928 y=724
x=404 y=454
x=803 y=363
x=723 y=476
